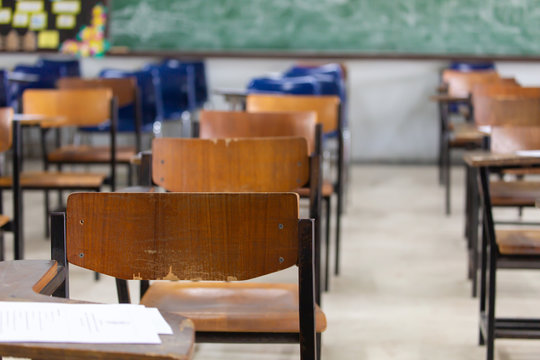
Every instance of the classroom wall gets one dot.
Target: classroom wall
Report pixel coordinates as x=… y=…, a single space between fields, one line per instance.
x=391 y=119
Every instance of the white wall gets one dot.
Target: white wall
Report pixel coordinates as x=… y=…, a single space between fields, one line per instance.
x=391 y=118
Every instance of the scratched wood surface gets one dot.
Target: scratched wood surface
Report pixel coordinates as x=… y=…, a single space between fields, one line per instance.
x=171 y=236
x=326 y=107
x=77 y=107
x=460 y=84
x=26 y=280
x=237 y=165
x=236 y=124
x=123 y=89
x=6 y=117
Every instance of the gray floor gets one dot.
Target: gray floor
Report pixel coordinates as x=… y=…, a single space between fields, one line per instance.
x=403 y=292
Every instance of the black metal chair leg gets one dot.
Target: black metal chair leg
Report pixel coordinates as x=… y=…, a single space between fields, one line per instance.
x=319 y=346
x=338 y=234
x=130 y=175
x=47 y=207
x=490 y=318
x=327 y=236
x=483 y=270
x=123 y=291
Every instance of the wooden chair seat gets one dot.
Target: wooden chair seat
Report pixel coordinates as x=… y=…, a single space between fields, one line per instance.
x=232 y=307
x=3 y=220
x=514 y=193
x=518 y=242
x=326 y=191
x=91 y=154
x=522 y=171
x=466 y=134
x=56 y=180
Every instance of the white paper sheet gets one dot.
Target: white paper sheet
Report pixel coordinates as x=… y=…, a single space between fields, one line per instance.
x=80 y=323
x=531 y=153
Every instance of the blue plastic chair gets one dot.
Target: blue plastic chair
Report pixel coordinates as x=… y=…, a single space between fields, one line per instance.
x=301 y=85
x=45 y=79
x=148 y=82
x=464 y=66
x=177 y=81
x=66 y=68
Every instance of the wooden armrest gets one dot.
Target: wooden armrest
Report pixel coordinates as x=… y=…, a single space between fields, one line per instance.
x=448 y=98
x=486 y=158
x=30 y=280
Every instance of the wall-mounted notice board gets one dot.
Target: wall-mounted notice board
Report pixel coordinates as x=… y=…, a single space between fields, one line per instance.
x=394 y=28
x=51 y=25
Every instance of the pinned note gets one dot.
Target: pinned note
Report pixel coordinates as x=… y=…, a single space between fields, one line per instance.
x=66 y=7
x=5 y=16
x=65 y=21
x=48 y=39
x=20 y=19
x=30 y=6
x=38 y=21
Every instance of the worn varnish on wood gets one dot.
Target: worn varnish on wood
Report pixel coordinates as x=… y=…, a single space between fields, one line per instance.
x=238 y=165
x=77 y=107
x=509 y=139
x=29 y=280
x=326 y=107
x=236 y=124
x=205 y=236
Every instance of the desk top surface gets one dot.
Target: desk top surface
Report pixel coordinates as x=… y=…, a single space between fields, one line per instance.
x=486 y=158
x=23 y=280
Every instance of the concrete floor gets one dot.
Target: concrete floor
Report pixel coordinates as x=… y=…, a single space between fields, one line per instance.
x=403 y=292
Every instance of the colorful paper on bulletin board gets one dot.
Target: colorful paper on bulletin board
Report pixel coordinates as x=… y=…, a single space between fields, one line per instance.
x=20 y=20
x=30 y=6
x=48 y=39
x=65 y=21
x=5 y=16
x=91 y=39
x=38 y=21
x=66 y=7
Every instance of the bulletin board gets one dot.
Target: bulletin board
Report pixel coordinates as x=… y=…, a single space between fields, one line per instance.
x=76 y=27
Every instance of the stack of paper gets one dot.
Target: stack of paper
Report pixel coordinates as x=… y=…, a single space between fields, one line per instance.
x=81 y=323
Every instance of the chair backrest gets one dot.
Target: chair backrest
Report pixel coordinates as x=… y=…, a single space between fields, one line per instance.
x=236 y=124
x=124 y=89
x=76 y=107
x=183 y=236
x=509 y=139
x=6 y=135
x=70 y=67
x=460 y=84
x=238 y=165
x=326 y=107
x=506 y=105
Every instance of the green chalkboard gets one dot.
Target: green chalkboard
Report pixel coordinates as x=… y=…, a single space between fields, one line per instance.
x=440 y=27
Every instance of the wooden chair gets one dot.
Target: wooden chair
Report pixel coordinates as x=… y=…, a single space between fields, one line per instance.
x=329 y=115
x=225 y=237
x=457 y=89
x=515 y=249
x=233 y=124
x=43 y=180
x=501 y=106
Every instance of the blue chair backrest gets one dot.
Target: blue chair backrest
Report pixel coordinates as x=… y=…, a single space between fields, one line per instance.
x=201 y=86
x=148 y=83
x=4 y=88
x=304 y=85
x=45 y=79
x=66 y=68
x=177 y=87
x=464 y=66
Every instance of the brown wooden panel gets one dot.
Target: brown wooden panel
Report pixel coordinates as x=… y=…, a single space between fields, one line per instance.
x=460 y=84
x=78 y=107
x=91 y=154
x=123 y=89
x=326 y=107
x=6 y=117
x=236 y=124
x=232 y=307
x=518 y=242
x=40 y=180
x=257 y=164
x=514 y=193
x=170 y=236
x=510 y=139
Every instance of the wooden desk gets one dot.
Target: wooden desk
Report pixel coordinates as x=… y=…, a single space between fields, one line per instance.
x=36 y=119
x=475 y=160
x=34 y=280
